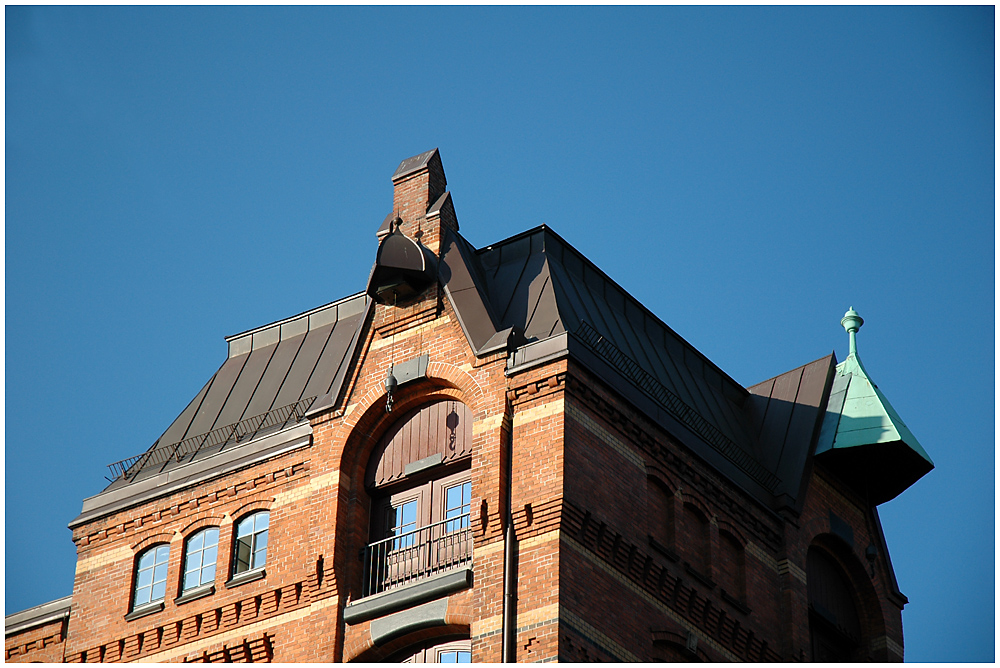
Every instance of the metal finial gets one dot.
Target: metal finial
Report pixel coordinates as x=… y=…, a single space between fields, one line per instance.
x=852 y=323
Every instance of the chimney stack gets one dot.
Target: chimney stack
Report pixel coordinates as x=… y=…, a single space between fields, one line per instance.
x=420 y=198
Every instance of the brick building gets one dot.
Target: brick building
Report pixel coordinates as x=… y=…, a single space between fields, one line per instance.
x=491 y=454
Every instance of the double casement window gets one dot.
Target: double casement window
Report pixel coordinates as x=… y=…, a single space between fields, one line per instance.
x=199 y=558
x=251 y=543
x=200 y=564
x=151 y=576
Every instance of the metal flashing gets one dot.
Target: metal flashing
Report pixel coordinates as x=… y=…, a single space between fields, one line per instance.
x=416 y=163
x=119 y=497
x=38 y=615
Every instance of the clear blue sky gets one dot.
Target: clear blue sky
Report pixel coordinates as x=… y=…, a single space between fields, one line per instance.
x=174 y=175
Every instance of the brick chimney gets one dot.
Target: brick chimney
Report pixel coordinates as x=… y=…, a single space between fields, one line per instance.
x=420 y=198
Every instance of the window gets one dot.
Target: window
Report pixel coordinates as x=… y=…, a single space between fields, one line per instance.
x=151 y=576
x=251 y=542
x=834 y=624
x=435 y=651
x=199 y=558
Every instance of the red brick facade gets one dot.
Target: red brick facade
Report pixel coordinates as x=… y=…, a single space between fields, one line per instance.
x=629 y=546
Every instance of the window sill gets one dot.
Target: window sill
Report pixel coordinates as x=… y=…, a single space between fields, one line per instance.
x=735 y=602
x=195 y=594
x=148 y=609
x=245 y=577
x=704 y=579
x=663 y=549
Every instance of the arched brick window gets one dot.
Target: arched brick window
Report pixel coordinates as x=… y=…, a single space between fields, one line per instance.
x=450 y=651
x=150 y=577
x=834 y=624
x=730 y=571
x=660 y=514
x=419 y=481
x=693 y=539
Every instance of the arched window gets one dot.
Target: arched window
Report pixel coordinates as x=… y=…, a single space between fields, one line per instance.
x=834 y=625
x=250 y=551
x=730 y=567
x=454 y=651
x=151 y=576
x=419 y=481
x=693 y=539
x=199 y=558
x=660 y=514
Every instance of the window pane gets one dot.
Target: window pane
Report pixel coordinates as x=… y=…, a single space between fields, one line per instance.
x=191 y=580
x=141 y=597
x=160 y=573
x=262 y=521
x=211 y=537
x=145 y=578
x=448 y=657
x=162 y=554
x=209 y=555
x=242 y=555
x=146 y=560
x=208 y=574
x=159 y=591
x=463 y=657
x=408 y=513
x=196 y=542
x=244 y=528
x=260 y=541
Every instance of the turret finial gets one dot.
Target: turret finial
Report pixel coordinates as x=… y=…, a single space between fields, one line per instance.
x=852 y=323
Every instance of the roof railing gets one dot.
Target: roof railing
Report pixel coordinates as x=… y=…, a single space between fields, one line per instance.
x=676 y=407
x=277 y=418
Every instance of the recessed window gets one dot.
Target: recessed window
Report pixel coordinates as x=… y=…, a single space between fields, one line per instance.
x=199 y=558
x=251 y=542
x=151 y=576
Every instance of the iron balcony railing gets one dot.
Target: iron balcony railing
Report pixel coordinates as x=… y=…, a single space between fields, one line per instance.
x=404 y=558
x=277 y=418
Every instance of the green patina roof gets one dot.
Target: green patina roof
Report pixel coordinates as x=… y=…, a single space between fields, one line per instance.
x=863 y=437
x=867 y=417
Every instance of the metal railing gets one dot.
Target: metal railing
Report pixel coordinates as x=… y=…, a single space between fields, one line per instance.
x=404 y=558
x=676 y=407
x=278 y=417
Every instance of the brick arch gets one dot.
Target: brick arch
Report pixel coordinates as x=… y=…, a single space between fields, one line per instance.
x=251 y=506
x=690 y=498
x=661 y=477
x=161 y=537
x=725 y=526
x=360 y=433
x=202 y=523
x=365 y=651
x=871 y=613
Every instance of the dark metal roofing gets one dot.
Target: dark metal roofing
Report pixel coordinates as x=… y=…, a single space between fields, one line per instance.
x=272 y=375
x=537 y=284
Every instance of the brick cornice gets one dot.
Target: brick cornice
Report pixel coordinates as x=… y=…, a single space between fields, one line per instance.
x=219 y=494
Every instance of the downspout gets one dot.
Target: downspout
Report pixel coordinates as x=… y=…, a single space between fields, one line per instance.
x=509 y=625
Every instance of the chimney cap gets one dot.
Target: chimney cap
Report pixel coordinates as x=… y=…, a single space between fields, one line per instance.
x=413 y=164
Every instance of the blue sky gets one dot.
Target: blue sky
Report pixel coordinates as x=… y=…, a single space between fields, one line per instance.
x=175 y=175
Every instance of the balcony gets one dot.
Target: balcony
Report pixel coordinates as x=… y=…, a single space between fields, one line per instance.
x=405 y=558
x=409 y=569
